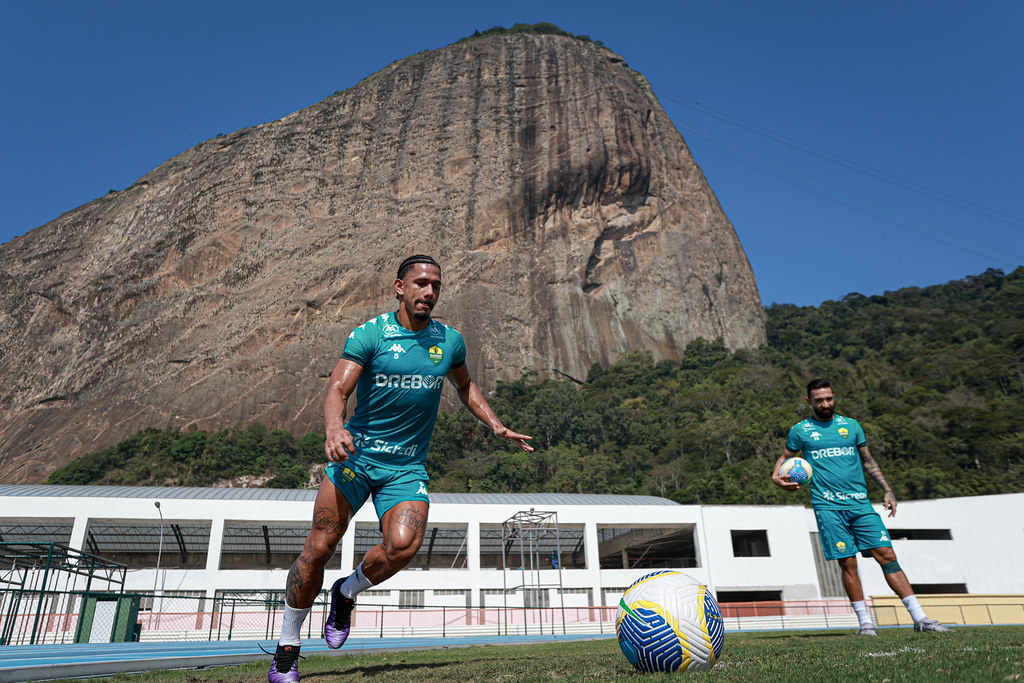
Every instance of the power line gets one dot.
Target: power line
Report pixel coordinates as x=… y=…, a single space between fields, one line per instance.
x=1000 y=255
x=830 y=157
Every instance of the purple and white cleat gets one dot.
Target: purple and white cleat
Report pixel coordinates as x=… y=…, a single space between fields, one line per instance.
x=339 y=620
x=285 y=667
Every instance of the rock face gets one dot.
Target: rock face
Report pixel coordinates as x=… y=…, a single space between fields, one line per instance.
x=569 y=217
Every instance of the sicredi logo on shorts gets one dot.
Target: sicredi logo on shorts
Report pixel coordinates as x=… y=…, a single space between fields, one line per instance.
x=833 y=452
x=408 y=381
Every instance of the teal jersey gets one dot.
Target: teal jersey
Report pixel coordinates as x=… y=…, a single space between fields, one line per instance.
x=832 y=449
x=399 y=389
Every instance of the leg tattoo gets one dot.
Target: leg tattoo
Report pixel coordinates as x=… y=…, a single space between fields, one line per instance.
x=326 y=520
x=410 y=518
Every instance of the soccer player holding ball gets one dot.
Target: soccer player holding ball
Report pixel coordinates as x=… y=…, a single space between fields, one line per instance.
x=847 y=524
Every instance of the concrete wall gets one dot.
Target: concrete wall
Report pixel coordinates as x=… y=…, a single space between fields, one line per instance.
x=986 y=550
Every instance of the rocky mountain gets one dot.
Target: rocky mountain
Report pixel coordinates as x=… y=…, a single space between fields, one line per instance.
x=570 y=219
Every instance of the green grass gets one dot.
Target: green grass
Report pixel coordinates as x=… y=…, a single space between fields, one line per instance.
x=984 y=653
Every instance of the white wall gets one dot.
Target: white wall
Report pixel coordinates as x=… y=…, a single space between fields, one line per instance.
x=986 y=552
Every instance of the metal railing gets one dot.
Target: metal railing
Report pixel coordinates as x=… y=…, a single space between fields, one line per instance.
x=97 y=617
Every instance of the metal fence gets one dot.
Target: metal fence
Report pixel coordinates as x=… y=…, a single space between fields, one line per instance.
x=79 y=617
x=97 y=617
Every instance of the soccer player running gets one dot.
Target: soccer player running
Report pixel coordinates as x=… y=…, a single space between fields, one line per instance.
x=398 y=361
x=837 y=449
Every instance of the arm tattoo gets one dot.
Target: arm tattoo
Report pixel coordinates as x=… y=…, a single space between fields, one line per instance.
x=873 y=470
x=409 y=517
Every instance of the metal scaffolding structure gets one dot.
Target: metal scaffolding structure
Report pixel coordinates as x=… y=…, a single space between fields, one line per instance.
x=537 y=536
x=39 y=580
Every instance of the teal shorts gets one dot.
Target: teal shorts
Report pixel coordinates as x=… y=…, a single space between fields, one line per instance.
x=359 y=479
x=845 y=532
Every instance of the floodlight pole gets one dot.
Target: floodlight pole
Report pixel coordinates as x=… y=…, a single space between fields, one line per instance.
x=160 y=548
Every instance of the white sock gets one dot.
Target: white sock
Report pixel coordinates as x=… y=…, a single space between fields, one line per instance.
x=291 y=628
x=355 y=584
x=861 y=608
x=914 y=607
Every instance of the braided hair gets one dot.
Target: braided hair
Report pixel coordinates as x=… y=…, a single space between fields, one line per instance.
x=412 y=260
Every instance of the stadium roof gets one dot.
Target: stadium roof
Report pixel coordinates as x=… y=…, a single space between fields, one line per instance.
x=194 y=493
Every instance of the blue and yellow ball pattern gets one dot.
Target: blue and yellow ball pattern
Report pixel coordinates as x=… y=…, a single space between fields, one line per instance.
x=798 y=469
x=668 y=621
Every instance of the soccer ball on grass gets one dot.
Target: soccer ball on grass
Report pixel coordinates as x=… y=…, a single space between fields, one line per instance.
x=668 y=621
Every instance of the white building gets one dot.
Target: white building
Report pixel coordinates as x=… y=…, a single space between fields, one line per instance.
x=571 y=550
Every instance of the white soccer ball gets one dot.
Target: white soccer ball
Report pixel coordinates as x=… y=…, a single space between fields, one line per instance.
x=668 y=621
x=798 y=469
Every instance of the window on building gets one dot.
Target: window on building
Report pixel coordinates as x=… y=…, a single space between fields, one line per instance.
x=648 y=547
x=49 y=531
x=748 y=596
x=451 y=596
x=546 y=548
x=177 y=545
x=536 y=597
x=936 y=588
x=750 y=543
x=248 y=545
x=444 y=546
x=921 y=534
x=410 y=599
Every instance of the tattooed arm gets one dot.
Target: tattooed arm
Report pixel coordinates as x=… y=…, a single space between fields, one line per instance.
x=875 y=472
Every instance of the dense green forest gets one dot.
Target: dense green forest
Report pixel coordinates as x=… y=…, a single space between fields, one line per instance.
x=935 y=375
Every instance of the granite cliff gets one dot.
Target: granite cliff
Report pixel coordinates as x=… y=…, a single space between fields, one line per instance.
x=571 y=220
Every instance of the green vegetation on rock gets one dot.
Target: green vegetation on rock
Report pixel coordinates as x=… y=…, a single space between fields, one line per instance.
x=540 y=28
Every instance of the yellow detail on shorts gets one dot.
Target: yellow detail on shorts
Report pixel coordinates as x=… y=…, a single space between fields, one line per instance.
x=840 y=545
x=347 y=474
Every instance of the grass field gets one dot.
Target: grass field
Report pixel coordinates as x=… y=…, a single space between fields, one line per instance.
x=983 y=653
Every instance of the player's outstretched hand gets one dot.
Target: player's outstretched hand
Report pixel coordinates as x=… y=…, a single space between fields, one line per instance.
x=339 y=445
x=520 y=440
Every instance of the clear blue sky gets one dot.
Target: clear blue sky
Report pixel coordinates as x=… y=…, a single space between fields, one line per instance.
x=856 y=146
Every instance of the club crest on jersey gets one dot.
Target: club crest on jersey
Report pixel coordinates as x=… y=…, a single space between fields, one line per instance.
x=844 y=432
x=436 y=354
x=392 y=330
x=397 y=349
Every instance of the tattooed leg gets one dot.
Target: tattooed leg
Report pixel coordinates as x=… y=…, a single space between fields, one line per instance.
x=404 y=526
x=331 y=515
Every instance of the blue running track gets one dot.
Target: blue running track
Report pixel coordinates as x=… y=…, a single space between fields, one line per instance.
x=47 y=662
